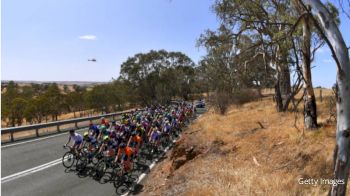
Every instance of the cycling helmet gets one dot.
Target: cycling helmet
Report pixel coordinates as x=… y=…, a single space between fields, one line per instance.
x=122 y=145
x=113 y=122
x=133 y=133
x=102 y=127
x=86 y=134
x=105 y=138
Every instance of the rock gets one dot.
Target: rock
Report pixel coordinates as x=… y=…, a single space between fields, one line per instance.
x=177 y=163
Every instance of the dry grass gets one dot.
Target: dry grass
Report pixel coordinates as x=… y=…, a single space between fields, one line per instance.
x=235 y=156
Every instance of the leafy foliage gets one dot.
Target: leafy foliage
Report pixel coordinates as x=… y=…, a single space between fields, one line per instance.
x=157 y=76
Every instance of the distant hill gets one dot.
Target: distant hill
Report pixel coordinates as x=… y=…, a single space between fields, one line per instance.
x=80 y=83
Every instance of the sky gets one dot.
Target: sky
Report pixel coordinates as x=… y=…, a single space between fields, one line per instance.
x=52 y=40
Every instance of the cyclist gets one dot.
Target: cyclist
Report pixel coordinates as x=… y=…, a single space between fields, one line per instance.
x=107 y=123
x=103 y=121
x=77 y=138
x=90 y=141
x=154 y=135
x=107 y=146
x=114 y=126
x=135 y=142
x=167 y=129
x=140 y=129
x=127 y=155
x=103 y=132
x=94 y=130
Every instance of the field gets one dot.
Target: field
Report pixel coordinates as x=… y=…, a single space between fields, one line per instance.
x=252 y=150
x=60 y=85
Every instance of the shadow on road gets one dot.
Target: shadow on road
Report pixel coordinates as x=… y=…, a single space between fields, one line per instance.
x=127 y=182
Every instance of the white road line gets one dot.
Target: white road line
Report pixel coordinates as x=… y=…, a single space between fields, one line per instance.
x=30 y=171
x=38 y=139
x=55 y=162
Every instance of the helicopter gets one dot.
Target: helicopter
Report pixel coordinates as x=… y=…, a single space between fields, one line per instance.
x=93 y=60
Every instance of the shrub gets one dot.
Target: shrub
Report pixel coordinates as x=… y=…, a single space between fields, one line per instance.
x=222 y=100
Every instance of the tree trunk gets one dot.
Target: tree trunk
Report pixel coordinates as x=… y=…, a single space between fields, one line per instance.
x=278 y=98
x=284 y=85
x=310 y=112
x=282 y=89
x=336 y=41
x=13 y=122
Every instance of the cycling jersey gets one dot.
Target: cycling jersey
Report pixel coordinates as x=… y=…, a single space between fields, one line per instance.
x=113 y=134
x=128 y=151
x=96 y=130
x=91 y=139
x=155 y=135
x=105 y=132
x=110 y=145
x=103 y=121
x=136 y=139
x=167 y=128
x=77 y=138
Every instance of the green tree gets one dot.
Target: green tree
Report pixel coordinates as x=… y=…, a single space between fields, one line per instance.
x=55 y=100
x=7 y=98
x=143 y=72
x=27 y=92
x=65 y=89
x=17 y=111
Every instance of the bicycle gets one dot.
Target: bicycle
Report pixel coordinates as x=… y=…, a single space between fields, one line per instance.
x=82 y=159
x=165 y=140
x=119 y=173
x=152 y=148
x=103 y=164
x=69 y=157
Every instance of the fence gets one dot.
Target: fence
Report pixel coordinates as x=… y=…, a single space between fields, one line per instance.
x=56 y=125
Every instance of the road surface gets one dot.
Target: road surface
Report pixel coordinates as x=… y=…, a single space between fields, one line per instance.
x=34 y=168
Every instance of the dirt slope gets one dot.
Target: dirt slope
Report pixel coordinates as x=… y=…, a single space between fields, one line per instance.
x=252 y=150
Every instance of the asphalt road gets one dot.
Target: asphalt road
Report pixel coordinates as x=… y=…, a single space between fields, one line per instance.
x=53 y=179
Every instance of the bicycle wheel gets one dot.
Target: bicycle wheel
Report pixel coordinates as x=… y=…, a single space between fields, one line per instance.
x=118 y=176
x=96 y=159
x=81 y=163
x=155 y=149
x=101 y=168
x=149 y=153
x=132 y=165
x=68 y=159
x=139 y=158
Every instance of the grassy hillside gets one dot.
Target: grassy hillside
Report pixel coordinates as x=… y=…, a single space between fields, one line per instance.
x=252 y=150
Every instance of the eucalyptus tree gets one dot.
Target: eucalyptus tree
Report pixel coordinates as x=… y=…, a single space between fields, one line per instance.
x=144 y=71
x=55 y=100
x=326 y=24
x=309 y=40
x=6 y=101
x=267 y=23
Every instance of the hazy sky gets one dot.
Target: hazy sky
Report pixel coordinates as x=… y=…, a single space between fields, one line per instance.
x=53 y=39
